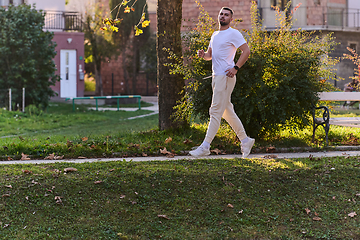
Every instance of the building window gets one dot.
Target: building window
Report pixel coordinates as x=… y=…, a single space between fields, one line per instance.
x=17 y=2
x=11 y=2
x=280 y=3
x=353 y=46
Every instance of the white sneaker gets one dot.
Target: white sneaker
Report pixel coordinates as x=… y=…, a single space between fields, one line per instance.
x=246 y=147
x=200 y=152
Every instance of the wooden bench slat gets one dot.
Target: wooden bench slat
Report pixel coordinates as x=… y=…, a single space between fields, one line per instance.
x=339 y=96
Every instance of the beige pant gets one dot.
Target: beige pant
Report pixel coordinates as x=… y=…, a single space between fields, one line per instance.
x=221 y=106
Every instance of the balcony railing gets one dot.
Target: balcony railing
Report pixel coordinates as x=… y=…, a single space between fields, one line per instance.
x=65 y=21
x=320 y=16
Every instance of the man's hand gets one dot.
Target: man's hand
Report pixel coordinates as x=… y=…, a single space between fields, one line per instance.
x=231 y=72
x=201 y=53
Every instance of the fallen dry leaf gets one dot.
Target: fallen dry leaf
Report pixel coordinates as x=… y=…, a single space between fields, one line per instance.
x=163 y=216
x=270 y=156
x=316 y=214
x=164 y=151
x=58 y=199
x=122 y=196
x=307 y=210
x=217 y=151
x=27 y=171
x=69 y=143
x=84 y=139
x=358 y=194
x=186 y=141
x=80 y=157
x=97 y=182
x=35 y=183
x=9 y=159
x=53 y=157
x=24 y=157
x=70 y=169
x=50 y=157
x=270 y=149
x=169 y=139
x=352 y=214
x=230 y=206
x=317 y=219
x=6 y=195
x=170 y=155
x=8 y=186
x=144 y=154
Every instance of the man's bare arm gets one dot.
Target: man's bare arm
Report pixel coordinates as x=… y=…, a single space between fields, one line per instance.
x=205 y=55
x=241 y=61
x=244 y=55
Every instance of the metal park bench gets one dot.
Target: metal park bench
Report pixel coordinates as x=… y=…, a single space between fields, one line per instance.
x=106 y=97
x=330 y=96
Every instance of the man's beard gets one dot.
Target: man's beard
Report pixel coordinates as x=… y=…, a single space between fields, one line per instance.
x=223 y=23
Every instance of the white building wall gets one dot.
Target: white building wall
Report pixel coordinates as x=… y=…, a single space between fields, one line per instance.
x=80 y=6
x=354 y=13
x=48 y=5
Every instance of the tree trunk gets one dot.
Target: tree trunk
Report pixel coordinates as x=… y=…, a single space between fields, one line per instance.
x=169 y=18
x=98 y=79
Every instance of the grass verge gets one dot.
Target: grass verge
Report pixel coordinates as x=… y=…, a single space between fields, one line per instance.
x=62 y=133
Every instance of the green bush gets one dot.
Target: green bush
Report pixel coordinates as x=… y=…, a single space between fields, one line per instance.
x=27 y=54
x=90 y=85
x=277 y=86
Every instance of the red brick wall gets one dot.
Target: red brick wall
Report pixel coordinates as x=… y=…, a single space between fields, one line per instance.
x=191 y=11
x=316 y=12
x=114 y=83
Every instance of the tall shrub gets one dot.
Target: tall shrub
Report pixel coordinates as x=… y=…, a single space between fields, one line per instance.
x=26 y=55
x=277 y=86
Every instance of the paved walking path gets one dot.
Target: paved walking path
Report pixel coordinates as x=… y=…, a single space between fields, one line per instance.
x=149 y=99
x=163 y=158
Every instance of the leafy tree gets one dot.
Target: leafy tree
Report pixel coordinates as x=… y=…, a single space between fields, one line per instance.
x=169 y=16
x=278 y=85
x=27 y=54
x=130 y=14
x=99 y=45
x=355 y=58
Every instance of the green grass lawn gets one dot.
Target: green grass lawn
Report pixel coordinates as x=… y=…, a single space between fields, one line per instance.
x=187 y=199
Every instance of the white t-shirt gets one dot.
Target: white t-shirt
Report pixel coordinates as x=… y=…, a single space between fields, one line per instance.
x=224 y=45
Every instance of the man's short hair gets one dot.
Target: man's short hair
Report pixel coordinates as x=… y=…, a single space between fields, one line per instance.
x=229 y=9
